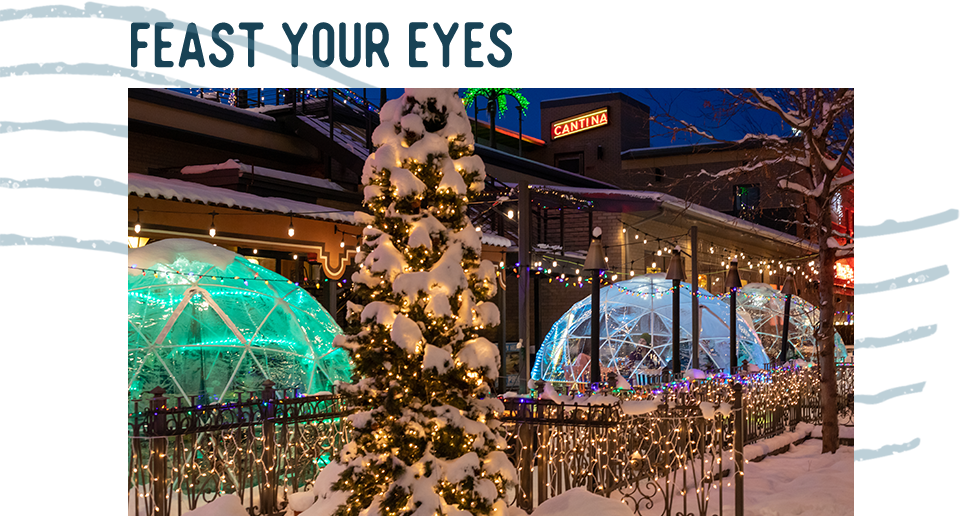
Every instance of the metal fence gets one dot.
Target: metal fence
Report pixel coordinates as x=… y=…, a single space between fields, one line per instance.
x=261 y=448
x=671 y=460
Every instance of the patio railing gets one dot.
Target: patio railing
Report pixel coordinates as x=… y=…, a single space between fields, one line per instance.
x=663 y=450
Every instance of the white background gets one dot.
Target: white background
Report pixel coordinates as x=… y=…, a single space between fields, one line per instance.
x=62 y=325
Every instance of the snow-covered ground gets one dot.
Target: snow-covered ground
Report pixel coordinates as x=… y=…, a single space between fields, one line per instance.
x=799 y=482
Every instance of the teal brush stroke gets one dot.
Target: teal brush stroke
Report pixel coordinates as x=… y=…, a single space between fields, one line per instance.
x=884 y=451
x=873 y=399
x=89 y=11
x=57 y=125
x=909 y=280
x=905 y=336
x=890 y=227
x=146 y=14
x=102 y=70
x=62 y=241
x=90 y=183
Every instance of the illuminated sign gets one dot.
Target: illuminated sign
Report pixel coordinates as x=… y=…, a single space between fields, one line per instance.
x=578 y=123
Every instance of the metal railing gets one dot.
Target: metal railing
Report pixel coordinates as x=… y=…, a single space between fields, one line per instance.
x=665 y=461
x=261 y=448
x=269 y=445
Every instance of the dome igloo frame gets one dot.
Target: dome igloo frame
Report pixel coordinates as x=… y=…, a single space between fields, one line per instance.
x=205 y=322
x=762 y=306
x=636 y=333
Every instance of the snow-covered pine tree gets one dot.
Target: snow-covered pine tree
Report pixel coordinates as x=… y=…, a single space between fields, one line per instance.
x=425 y=439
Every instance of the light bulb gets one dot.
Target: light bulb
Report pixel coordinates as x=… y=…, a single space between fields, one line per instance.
x=294 y=257
x=136 y=228
x=254 y=251
x=213 y=231
x=342 y=244
x=509 y=214
x=659 y=252
x=554 y=263
x=290 y=230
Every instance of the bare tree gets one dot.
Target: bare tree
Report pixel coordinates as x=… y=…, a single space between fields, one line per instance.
x=815 y=163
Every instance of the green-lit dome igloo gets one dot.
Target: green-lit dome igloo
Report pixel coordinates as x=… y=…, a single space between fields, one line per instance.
x=206 y=322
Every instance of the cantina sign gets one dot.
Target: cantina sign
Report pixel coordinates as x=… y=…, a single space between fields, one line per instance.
x=579 y=123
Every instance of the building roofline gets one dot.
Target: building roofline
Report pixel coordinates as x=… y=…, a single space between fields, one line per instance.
x=696 y=148
x=702 y=212
x=536 y=169
x=597 y=97
x=184 y=102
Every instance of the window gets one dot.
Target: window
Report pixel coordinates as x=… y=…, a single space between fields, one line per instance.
x=746 y=198
x=571 y=162
x=658 y=175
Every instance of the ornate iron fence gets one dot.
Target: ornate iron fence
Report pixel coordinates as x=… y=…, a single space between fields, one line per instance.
x=668 y=450
x=261 y=448
x=665 y=450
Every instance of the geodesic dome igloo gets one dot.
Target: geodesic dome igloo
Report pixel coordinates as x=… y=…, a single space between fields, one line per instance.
x=762 y=305
x=206 y=322
x=636 y=333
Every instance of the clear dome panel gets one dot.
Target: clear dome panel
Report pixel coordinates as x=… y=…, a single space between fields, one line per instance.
x=636 y=333
x=763 y=305
x=208 y=323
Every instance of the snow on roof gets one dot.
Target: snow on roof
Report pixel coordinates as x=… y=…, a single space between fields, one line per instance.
x=175 y=189
x=158 y=187
x=166 y=251
x=679 y=204
x=243 y=168
x=495 y=240
x=207 y=102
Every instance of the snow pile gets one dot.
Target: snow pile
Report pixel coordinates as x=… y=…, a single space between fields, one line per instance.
x=580 y=502
x=162 y=188
x=172 y=249
x=764 y=447
x=711 y=409
x=694 y=374
x=638 y=408
x=224 y=505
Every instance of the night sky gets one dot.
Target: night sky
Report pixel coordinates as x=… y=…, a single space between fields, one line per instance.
x=703 y=107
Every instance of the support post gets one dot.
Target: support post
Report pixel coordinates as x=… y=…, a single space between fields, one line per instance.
x=503 y=332
x=595 y=327
x=738 y=448
x=734 y=366
x=523 y=286
x=676 y=330
x=786 y=329
x=331 y=297
x=268 y=497
x=158 y=452
x=694 y=300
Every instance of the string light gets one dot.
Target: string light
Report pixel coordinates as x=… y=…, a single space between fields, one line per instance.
x=290 y=229
x=213 y=227
x=136 y=226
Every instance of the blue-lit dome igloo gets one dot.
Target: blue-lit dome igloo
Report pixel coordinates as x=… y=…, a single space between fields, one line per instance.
x=762 y=305
x=636 y=333
x=206 y=322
